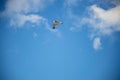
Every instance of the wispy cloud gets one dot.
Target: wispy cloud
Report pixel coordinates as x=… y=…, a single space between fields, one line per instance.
x=70 y=3
x=26 y=11
x=23 y=11
x=26 y=6
x=97 y=43
x=76 y=22
x=103 y=21
x=100 y=21
x=20 y=19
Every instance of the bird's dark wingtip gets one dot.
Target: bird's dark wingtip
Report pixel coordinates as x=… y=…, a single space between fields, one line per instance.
x=53 y=27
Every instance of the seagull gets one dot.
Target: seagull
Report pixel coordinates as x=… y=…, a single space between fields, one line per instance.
x=55 y=23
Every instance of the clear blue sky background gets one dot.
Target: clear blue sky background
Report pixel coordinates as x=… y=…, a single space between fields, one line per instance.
x=76 y=50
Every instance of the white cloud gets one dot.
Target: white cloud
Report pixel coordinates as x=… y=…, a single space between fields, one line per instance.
x=20 y=19
x=25 y=6
x=25 y=11
x=70 y=3
x=97 y=43
x=101 y=22
x=104 y=21
x=35 y=35
x=20 y=12
x=75 y=21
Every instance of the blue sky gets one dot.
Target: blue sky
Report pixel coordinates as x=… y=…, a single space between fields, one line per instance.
x=85 y=47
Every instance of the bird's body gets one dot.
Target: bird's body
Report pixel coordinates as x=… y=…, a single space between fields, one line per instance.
x=55 y=23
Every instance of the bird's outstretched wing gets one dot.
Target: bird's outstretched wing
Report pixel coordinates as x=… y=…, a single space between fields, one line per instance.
x=54 y=26
x=55 y=23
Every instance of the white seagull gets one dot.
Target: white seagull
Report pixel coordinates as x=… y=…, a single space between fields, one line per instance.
x=55 y=23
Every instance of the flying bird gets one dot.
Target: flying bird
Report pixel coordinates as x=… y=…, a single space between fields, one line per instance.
x=55 y=23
